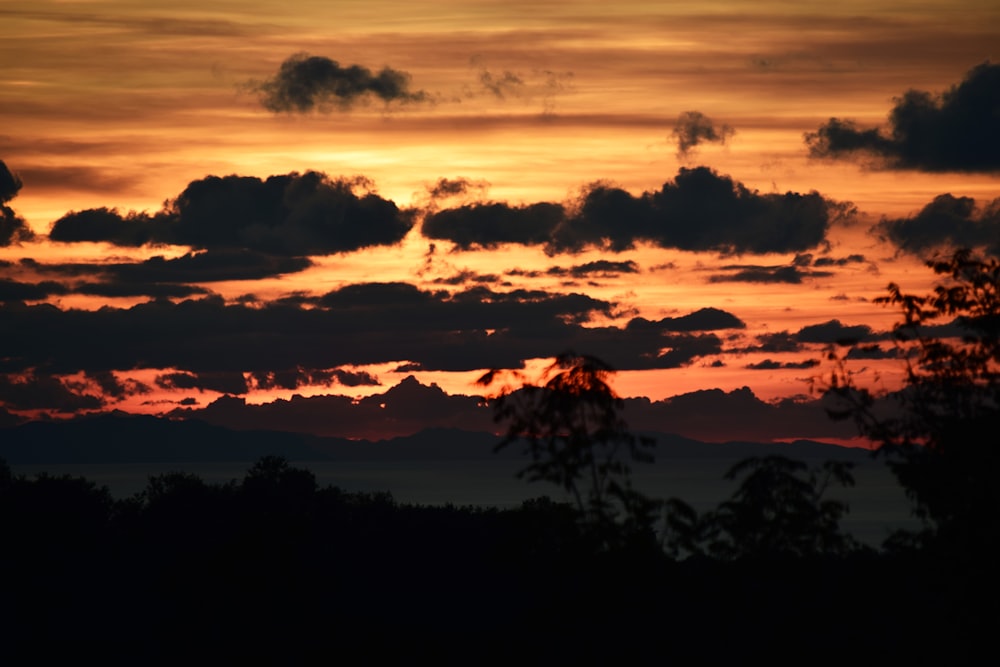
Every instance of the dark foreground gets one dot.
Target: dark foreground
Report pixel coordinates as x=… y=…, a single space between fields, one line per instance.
x=275 y=570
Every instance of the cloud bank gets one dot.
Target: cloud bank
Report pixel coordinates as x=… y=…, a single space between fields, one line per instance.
x=292 y=214
x=700 y=210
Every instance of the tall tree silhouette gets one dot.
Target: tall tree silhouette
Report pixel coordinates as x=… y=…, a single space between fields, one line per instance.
x=941 y=441
x=571 y=423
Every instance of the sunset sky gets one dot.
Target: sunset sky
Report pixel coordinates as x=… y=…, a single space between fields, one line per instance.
x=334 y=216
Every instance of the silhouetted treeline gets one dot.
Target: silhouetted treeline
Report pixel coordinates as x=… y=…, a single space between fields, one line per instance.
x=274 y=569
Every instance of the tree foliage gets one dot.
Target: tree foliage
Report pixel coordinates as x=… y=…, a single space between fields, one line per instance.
x=570 y=422
x=941 y=441
x=779 y=510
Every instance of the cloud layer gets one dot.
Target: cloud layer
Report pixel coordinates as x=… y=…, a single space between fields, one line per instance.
x=207 y=344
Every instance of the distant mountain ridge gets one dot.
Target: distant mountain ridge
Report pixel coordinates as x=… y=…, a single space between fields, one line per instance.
x=129 y=438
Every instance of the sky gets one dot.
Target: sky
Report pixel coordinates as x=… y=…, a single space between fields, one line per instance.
x=334 y=217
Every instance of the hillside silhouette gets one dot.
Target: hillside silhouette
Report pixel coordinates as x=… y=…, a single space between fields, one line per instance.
x=121 y=437
x=274 y=569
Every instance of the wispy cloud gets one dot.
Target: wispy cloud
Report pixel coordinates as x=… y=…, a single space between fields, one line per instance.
x=694 y=128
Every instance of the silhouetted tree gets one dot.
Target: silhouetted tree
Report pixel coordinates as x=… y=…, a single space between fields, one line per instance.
x=181 y=507
x=272 y=482
x=941 y=442
x=573 y=430
x=6 y=475
x=684 y=531
x=779 y=510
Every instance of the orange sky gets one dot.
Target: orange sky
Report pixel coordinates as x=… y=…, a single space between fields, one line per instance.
x=122 y=103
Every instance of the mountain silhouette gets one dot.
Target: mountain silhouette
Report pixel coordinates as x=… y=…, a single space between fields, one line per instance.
x=119 y=437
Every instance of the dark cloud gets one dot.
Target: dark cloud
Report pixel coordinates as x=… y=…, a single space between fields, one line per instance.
x=408 y=368
x=379 y=296
x=601 y=267
x=156 y=277
x=44 y=392
x=767 y=274
x=305 y=83
x=945 y=224
x=293 y=214
x=825 y=333
x=675 y=351
x=839 y=261
x=13 y=228
x=210 y=266
x=488 y=225
x=210 y=345
x=10 y=184
x=304 y=377
x=468 y=276
x=107 y=224
x=834 y=331
x=151 y=290
x=956 y=130
x=700 y=210
x=779 y=342
x=220 y=381
x=694 y=128
x=873 y=351
x=355 y=378
x=358 y=324
x=703 y=319
x=13 y=290
x=770 y=365
x=111 y=385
